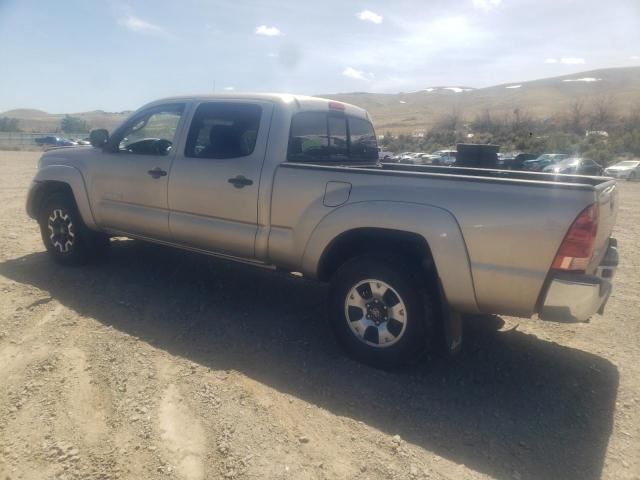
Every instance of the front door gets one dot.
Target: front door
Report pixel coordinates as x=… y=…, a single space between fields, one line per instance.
x=213 y=187
x=129 y=182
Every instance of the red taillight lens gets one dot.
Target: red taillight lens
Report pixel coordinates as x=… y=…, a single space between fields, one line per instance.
x=576 y=249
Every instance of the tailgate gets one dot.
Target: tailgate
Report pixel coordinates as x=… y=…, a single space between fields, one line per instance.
x=607 y=198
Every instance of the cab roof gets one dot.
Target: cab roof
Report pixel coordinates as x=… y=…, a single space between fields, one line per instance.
x=294 y=103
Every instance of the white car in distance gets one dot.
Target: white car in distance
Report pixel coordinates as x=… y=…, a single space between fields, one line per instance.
x=629 y=169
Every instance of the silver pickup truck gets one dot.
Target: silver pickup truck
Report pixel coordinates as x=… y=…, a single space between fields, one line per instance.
x=293 y=183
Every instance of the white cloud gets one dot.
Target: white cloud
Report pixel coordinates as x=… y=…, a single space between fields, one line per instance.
x=514 y=86
x=268 y=31
x=353 y=73
x=229 y=89
x=572 y=60
x=566 y=60
x=486 y=5
x=273 y=55
x=138 y=25
x=635 y=57
x=369 y=16
x=585 y=79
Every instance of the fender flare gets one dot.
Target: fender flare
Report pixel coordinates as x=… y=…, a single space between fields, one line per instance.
x=70 y=176
x=437 y=226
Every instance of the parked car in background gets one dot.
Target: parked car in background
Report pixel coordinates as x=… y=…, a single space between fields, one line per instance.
x=544 y=160
x=445 y=157
x=629 y=169
x=425 y=159
x=576 y=166
x=518 y=161
x=385 y=155
x=51 y=141
x=403 y=157
x=513 y=160
x=408 y=158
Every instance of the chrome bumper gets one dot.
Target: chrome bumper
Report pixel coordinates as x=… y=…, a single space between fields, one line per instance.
x=576 y=297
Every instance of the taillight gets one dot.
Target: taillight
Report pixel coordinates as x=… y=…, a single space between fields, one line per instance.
x=576 y=249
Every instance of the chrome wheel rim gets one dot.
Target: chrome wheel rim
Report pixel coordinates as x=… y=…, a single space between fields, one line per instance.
x=61 y=230
x=375 y=313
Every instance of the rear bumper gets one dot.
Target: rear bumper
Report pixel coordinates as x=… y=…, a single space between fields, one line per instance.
x=574 y=297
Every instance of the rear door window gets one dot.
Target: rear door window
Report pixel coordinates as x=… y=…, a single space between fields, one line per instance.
x=223 y=130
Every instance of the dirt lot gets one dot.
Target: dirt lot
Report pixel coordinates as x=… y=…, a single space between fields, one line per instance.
x=161 y=364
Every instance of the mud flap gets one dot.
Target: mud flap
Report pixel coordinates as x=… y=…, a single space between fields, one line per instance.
x=453 y=330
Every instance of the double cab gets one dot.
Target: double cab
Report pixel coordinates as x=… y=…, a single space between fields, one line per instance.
x=293 y=183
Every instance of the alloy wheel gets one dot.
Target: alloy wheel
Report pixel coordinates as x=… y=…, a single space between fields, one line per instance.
x=375 y=313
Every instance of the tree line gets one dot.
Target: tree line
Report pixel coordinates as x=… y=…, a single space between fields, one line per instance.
x=69 y=124
x=591 y=130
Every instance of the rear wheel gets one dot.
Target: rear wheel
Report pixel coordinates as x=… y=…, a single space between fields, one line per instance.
x=380 y=311
x=65 y=236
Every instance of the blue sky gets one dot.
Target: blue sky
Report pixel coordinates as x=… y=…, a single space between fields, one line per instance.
x=74 y=55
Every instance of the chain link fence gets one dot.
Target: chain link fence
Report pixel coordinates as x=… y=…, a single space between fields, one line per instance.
x=27 y=141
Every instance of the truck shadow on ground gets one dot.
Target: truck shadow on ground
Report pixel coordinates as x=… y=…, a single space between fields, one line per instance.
x=511 y=405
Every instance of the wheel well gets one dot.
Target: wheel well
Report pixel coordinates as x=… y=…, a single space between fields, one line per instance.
x=376 y=240
x=47 y=189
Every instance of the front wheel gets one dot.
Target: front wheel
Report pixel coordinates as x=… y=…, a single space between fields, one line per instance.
x=380 y=310
x=64 y=235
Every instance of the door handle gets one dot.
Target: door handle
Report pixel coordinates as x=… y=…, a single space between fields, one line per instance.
x=240 y=181
x=157 y=172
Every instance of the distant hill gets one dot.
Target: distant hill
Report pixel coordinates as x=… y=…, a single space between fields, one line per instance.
x=404 y=112
x=620 y=87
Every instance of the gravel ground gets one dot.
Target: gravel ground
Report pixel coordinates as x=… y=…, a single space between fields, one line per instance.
x=163 y=364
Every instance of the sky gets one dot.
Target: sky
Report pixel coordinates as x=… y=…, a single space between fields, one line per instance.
x=80 y=55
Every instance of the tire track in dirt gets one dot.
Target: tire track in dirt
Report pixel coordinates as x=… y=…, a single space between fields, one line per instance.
x=182 y=435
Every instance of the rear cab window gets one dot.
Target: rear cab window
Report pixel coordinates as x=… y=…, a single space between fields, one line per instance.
x=319 y=137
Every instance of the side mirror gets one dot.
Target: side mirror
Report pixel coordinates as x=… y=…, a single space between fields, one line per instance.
x=99 y=137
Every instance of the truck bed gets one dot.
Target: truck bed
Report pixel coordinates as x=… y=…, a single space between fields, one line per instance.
x=512 y=223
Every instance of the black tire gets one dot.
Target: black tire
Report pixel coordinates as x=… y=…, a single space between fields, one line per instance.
x=411 y=340
x=64 y=234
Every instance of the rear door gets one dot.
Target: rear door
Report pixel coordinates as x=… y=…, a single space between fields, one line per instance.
x=214 y=181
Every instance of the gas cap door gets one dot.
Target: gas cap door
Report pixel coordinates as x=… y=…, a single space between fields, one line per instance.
x=336 y=193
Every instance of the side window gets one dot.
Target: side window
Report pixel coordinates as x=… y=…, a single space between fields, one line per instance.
x=363 y=140
x=152 y=132
x=308 y=140
x=223 y=130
